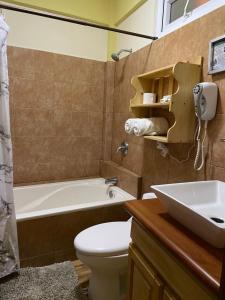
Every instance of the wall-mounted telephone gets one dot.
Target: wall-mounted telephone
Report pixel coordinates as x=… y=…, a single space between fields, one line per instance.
x=205 y=100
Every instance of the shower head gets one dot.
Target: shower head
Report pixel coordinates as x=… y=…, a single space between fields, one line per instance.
x=115 y=56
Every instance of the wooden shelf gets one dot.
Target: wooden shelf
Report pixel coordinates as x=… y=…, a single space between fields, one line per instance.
x=157 y=73
x=178 y=81
x=153 y=105
x=159 y=138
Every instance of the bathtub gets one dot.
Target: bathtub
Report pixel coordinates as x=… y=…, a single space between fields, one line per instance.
x=35 y=201
x=50 y=215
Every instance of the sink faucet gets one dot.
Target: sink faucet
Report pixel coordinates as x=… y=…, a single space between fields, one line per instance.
x=123 y=148
x=111 y=181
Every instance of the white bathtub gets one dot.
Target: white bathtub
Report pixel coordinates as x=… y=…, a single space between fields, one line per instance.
x=41 y=200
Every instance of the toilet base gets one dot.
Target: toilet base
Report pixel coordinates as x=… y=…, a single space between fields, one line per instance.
x=108 y=276
x=110 y=287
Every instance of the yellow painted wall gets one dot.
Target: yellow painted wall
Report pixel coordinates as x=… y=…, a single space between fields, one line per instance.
x=92 y=10
x=115 y=13
x=34 y=32
x=122 y=9
x=142 y=21
x=140 y=18
x=110 y=12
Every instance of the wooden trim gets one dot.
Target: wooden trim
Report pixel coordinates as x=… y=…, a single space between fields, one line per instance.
x=222 y=281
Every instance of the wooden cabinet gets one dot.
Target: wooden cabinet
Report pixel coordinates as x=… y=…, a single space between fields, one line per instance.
x=177 y=82
x=169 y=295
x=155 y=274
x=144 y=284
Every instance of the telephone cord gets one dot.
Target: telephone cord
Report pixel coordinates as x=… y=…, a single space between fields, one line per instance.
x=200 y=147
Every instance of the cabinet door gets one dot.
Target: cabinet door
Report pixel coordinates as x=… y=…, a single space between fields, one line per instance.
x=169 y=295
x=143 y=282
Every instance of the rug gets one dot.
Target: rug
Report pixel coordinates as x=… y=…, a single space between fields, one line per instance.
x=54 y=282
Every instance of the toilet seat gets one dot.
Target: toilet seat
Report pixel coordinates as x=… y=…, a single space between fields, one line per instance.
x=107 y=239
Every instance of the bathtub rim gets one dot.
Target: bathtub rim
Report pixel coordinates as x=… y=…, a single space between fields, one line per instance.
x=71 y=208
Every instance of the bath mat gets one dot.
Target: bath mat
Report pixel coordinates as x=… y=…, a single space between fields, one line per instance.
x=54 y=282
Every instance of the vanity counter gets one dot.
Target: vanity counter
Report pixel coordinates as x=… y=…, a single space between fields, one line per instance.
x=199 y=257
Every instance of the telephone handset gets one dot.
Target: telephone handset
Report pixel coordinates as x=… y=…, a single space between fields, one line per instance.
x=205 y=100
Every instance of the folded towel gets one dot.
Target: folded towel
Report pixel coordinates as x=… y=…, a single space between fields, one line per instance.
x=151 y=126
x=129 y=125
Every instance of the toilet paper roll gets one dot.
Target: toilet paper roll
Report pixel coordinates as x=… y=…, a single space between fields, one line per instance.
x=149 y=98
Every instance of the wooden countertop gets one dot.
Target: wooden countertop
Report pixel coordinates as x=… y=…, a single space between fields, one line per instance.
x=201 y=258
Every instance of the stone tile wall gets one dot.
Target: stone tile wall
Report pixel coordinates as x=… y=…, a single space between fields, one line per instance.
x=50 y=239
x=56 y=106
x=184 y=44
x=68 y=113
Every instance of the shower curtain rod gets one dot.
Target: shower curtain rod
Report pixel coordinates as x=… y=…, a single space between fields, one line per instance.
x=70 y=20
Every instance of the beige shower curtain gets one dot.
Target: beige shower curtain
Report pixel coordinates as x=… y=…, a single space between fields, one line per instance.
x=9 y=260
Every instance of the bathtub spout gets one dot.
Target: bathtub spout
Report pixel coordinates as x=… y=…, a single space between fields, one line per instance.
x=111 y=181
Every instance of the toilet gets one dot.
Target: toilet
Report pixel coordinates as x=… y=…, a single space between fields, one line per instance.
x=104 y=249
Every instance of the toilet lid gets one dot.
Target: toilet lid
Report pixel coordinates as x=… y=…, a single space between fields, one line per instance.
x=105 y=239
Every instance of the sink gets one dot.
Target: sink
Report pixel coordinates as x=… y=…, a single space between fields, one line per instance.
x=200 y=206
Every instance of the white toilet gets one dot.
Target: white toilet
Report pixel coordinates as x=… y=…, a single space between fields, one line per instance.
x=104 y=249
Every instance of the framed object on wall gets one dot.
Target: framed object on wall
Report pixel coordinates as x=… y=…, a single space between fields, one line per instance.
x=216 y=61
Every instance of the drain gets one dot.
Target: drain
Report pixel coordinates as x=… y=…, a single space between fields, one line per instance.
x=111 y=194
x=217 y=220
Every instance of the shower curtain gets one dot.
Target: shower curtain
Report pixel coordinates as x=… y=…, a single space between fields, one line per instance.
x=9 y=258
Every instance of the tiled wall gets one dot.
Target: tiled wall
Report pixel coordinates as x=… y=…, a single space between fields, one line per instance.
x=127 y=180
x=52 y=237
x=56 y=104
x=68 y=113
x=182 y=45
x=124 y=70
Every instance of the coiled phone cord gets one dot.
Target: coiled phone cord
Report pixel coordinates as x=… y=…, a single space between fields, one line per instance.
x=200 y=147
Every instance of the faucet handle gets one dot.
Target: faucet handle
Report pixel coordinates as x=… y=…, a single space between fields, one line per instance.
x=123 y=148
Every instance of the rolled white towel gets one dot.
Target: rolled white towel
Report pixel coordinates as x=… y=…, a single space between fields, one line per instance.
x=129 y=125
x=151 y=126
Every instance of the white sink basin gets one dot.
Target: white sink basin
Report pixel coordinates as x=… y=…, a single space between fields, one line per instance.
x=200 y=206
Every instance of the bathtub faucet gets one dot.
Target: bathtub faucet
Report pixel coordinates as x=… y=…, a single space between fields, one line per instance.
x=111 y=181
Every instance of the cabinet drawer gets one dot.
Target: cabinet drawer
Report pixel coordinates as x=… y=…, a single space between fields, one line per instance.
x=181 y=280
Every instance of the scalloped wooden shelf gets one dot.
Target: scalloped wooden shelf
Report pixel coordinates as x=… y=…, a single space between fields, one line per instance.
x=159 y=138
x=153 y=105
x=178 y=81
